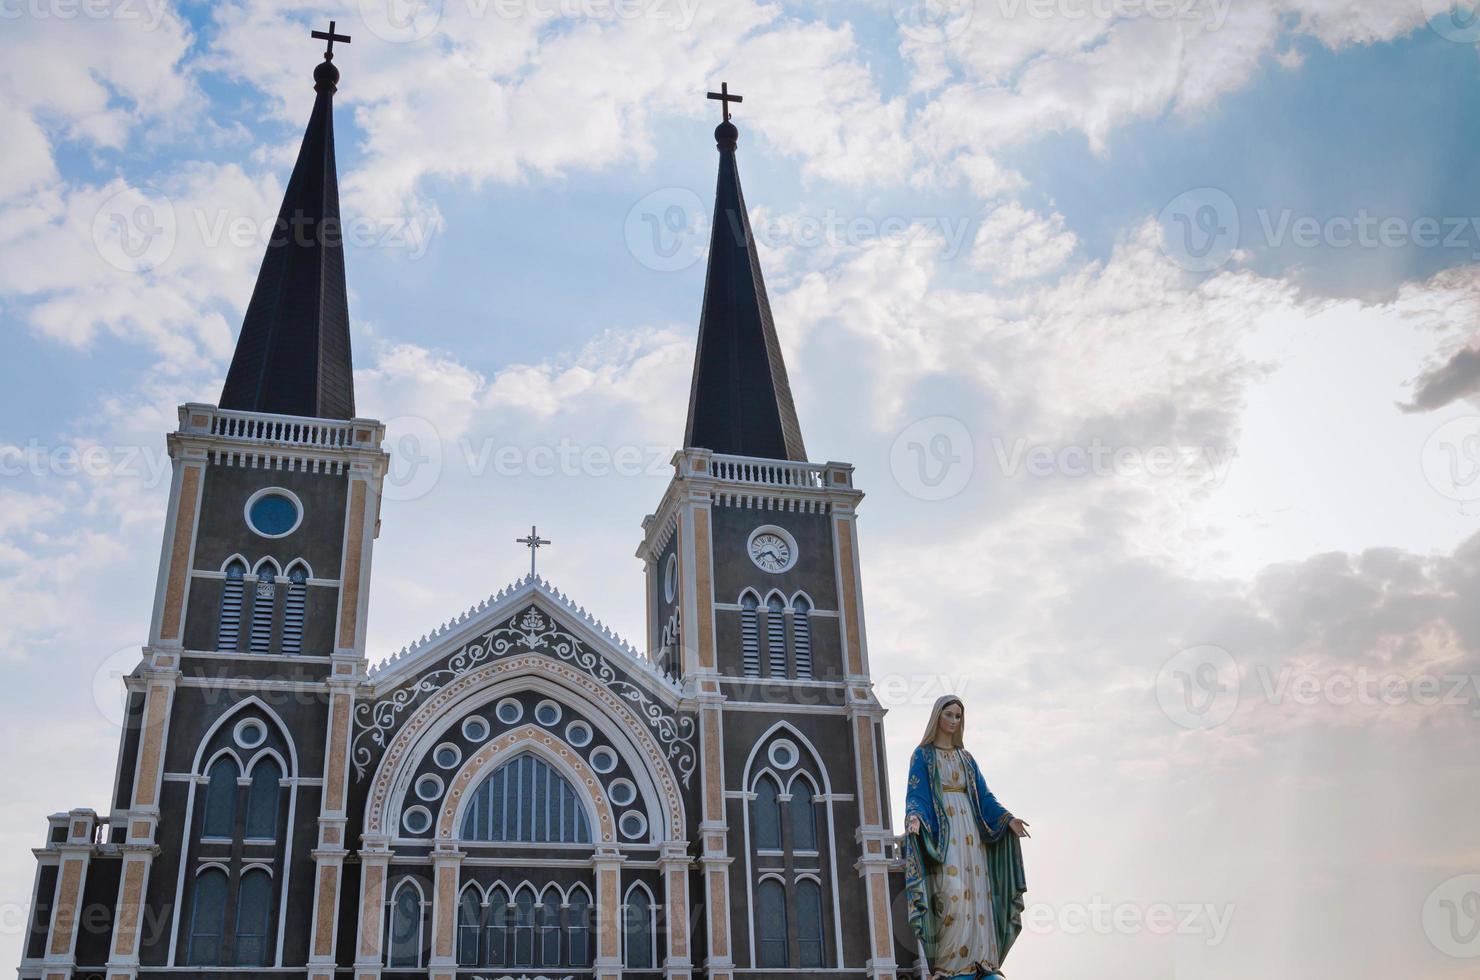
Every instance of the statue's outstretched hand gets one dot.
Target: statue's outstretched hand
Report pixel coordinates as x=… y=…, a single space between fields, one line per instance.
x=1019 y=827
x=912 y=824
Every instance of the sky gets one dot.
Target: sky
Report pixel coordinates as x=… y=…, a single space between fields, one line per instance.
x=1150 y=327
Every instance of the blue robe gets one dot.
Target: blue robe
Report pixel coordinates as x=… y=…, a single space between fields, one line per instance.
x=928 y=848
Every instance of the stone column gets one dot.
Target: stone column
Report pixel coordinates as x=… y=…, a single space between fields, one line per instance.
x=161 y=675
x=873 y=832
x=673 y=862
x=375 y=864
x=76 y=856
x=702 y=695
x=330 y=854
x=607 y=863
x=446 y=860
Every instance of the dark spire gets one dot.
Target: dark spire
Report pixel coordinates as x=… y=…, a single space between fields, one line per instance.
x=740 y=401
x=293 y=354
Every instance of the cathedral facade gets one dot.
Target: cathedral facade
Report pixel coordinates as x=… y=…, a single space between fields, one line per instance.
x=521 y=793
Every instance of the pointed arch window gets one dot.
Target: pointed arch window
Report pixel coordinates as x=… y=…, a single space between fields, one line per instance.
x=809 y=924
x=771 y=924
x=264 y=598
x=469 y=927
x=524 y=927
x=253 y=918
x=638 y=929
x=498 y=928
x=293 y=607
x=262 y=800
x=750 y=634
x=803 y=817
x=776 y=635
x=405 y=931
x=219 y=812
x=549 y=927
x=229 y=620
x=207 y=919
x=525 y=800
x=801 y=635
x=578 y=919
x=766 y=815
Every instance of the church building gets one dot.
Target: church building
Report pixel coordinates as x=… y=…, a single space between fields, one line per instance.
x=522 y=793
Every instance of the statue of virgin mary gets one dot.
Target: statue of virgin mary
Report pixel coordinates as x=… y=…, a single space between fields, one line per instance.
x=963 y=861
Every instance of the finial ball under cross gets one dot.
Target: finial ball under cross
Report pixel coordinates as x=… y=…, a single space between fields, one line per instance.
x=724 y=98
x=330 y=37
x=533 y=543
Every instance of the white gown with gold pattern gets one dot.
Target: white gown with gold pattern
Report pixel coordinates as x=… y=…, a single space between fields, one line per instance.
x=961 y=885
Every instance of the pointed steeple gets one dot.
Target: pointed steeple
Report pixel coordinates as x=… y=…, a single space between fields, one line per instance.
x=293 y=354
x=739 y=401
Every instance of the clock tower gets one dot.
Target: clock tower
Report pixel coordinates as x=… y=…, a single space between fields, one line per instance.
x=755 y=607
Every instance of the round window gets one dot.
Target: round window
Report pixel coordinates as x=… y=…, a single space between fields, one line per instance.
x=447 y=755
x=417 y=819
x=670 y=579
x=429 y=787
x=578 y=733
x=474 y=729
x=547 y=713
x=622 y=791
x=509 y=711
x=784 y=754
x=603 y=760
x=250 y=733
x=633 y=825
x=274 y=512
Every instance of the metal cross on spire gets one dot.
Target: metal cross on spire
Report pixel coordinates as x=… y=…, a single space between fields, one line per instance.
x=330 y=37
x=724 y=98
x=533 y=543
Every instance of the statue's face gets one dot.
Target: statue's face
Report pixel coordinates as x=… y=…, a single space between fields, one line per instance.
x=950 y=719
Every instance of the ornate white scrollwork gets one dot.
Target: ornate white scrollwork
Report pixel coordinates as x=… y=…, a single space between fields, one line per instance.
x=529 y=631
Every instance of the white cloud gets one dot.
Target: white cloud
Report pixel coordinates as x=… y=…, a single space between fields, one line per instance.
x=1016 y=243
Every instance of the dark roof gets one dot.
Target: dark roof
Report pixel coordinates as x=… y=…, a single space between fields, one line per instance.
x=293 y=354
x=740 y=401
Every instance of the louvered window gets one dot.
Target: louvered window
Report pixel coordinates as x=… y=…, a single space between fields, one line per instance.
x=750 y=635
x=776 y=635
x=293 y=605
x=263 y=599
x=229 y=622
x=801 y=635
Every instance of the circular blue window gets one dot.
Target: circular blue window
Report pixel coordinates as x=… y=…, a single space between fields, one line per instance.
x=273 y=514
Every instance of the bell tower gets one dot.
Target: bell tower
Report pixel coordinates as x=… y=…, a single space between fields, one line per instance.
x=257 y=634
x=755 y=604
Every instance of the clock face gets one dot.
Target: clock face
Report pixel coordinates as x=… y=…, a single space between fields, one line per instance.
x=771 y=552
